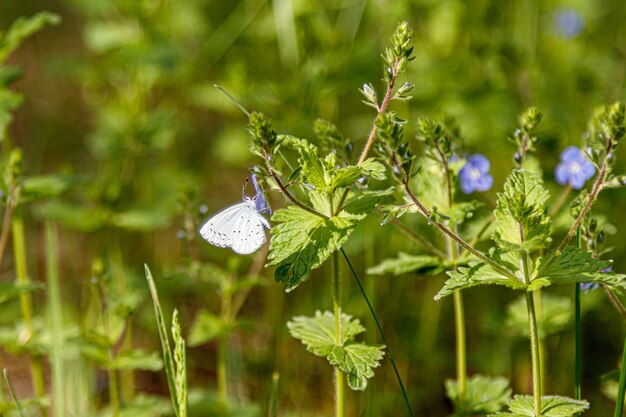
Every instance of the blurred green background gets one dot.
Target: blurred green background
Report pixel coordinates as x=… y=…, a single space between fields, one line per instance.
x=119 y=97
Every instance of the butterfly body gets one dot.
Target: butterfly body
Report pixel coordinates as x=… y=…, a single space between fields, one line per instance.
x=240 y=227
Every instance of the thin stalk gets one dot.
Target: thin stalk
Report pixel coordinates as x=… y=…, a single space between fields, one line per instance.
x=370 y=139
x=272 y=409
x=560 y=201
x=461 y=360
x=26 y=305
x=540 y=340
x=534 y=338
x=114 y=395
x=56 y=321
x=339 y=378
x=380 y=331
x=619 y=405
x=459 y=240
x=422 y=241
x=288 y=195
x=577 y=335
x=615 y=301
x=222 y=354
x=18 y=406
x=6 y=222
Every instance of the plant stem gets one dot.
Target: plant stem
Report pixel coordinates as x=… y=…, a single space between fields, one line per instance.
x=222 y=354
x=459 y=240
x=461 y=361
x=339 y=378
x=370 y=139
x=534 y=337
x=410 y=233
x=619 y=405
x=6 y=222
x=56 y=321
x=380 y=331
x=114 y=396
x=26 y=305
x=577 y=335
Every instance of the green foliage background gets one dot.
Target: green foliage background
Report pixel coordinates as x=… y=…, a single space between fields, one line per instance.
x=119 y=97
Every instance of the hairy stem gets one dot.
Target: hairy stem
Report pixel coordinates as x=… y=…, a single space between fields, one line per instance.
x=290 y=196
x=370 y=139
x=459 y=240
x=577 y=335
x=339 y=378
x=461 y=361
x=534 y=337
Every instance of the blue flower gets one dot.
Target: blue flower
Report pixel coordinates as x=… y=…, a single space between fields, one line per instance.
x=574 y=168
x=568 y=23
x=475 y=174
x=588 y=286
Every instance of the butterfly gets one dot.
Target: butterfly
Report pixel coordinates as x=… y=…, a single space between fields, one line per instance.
x=240 y=227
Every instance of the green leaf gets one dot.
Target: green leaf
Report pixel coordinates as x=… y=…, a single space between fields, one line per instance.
x=556 y=315
x=313 y=171
x=574 y=265
x=483 y=394
x=137 y=359
x=480 y=273
x=206 y=327
x=551 y=406
x=521 y=222
x=374 y=169
x=318 y=333
x=356 y=360
x=405 y=263
x=45 y=186
x=22 y=28
x=11 y=290
x=302 y=241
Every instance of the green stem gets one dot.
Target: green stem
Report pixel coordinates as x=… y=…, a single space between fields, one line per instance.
x=339 y=379
x=222 y=354
x=114 y=396
x=56 y=321
x=619 y=405
x=534 y=350
x=461 y=361
x=540 y=340
x=380 y=331
x=26 y=305
x=534 y=337
x=577 y=335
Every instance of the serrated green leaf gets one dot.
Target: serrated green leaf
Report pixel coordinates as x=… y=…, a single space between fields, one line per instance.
x=346 y=176
x=374 y=169
x=317 y=333
x=356 y=360
x=405 y=263
x=483 y=394
x=206 y=327
x=574 y=265
x=480 y=273
x=313 y=171
x=551 y=406
x=556 y=315
x=521 y=222
x=137 y=359
x=302 y=241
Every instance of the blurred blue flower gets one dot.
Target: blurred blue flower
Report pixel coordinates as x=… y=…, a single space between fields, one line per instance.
x=475 y=174
x=588 y=286
x=574 y=168
x=568 y=23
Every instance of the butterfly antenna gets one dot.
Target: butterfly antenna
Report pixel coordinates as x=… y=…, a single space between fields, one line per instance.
x=243 y=188
x=233 y=99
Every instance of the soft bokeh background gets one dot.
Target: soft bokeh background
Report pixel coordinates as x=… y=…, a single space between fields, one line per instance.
x=120 y=97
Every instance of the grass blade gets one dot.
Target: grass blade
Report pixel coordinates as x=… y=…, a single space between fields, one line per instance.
x=12 y=391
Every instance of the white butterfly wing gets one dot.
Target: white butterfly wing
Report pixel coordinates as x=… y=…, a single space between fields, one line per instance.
x=217 y=229
x=239 y=227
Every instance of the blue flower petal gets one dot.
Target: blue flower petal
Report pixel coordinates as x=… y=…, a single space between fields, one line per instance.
x=577 y=181
x=561 y=174
x=480 y=162
x=588 y=170
x=484 y=183
x=467 y=184
x=571 y=154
